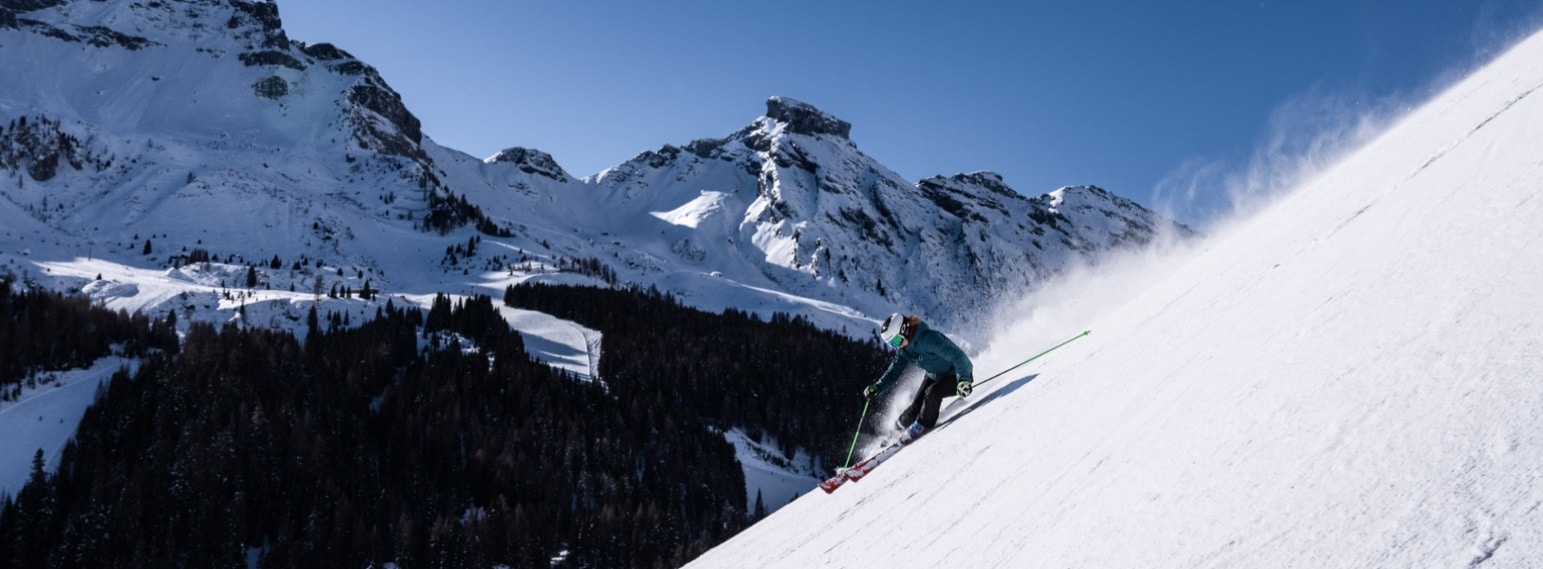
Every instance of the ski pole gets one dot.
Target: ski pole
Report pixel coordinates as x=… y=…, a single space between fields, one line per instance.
x=857 y=434
x=1036 y=356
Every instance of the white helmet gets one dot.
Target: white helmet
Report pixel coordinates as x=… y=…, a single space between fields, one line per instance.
x=893 y=331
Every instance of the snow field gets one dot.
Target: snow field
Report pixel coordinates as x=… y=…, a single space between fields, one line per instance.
x=45 y=417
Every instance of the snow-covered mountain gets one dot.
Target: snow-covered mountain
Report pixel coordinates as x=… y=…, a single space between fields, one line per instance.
x=1348 y=379
x=196 y=124
x=790 y=197
x=144 y=131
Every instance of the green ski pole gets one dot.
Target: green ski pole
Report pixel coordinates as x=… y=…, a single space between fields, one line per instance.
x=857 y=434
x=1025 y=362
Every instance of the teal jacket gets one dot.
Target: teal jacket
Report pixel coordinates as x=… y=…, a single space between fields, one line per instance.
x=934 y=353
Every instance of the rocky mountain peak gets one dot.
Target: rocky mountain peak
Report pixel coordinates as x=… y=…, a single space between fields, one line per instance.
x=532 y=161
x=265 y=16
x=991 y=182
x=803 y=118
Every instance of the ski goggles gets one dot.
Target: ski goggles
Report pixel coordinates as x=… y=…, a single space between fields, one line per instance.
x=897 y=340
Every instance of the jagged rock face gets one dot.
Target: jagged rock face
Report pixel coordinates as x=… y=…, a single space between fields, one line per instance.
x=803 y=118
x=266 y=17
x=326 y=52
x=404 y=139
x=533 y=161
x=41 y=148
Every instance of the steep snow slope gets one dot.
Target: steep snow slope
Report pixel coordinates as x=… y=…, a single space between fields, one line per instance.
x=1349 y=379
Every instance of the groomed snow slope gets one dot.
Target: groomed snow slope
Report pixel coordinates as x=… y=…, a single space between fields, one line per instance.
x=1352 y=378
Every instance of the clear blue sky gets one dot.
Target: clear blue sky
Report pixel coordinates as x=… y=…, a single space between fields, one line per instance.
x=1128 y=95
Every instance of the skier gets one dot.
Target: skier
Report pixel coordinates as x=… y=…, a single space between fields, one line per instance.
x=949 y=371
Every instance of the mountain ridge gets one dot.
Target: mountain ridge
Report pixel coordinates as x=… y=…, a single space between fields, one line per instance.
x=208 y=126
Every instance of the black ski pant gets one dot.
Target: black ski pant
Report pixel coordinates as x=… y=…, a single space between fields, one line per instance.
x=924 y=408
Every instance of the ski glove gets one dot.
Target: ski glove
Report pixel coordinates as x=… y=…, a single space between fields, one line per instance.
x=965 y=387
x=871 y=391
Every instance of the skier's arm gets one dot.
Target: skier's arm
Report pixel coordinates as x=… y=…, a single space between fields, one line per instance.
x=896 y=367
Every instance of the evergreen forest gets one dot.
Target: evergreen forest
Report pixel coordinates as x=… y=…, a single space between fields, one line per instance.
x=421 y=438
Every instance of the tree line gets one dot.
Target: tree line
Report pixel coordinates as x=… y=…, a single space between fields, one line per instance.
x=783 y=376
x=42 y=331
x=384 y=443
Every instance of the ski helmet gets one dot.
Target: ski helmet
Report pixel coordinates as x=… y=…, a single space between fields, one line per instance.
x=893 y=332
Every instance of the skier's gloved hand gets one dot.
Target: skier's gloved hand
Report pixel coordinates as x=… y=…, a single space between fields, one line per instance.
x=965 y=387
x=871 y=391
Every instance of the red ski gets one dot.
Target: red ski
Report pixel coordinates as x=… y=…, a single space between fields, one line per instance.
x=859 y=470
x=834 y=482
